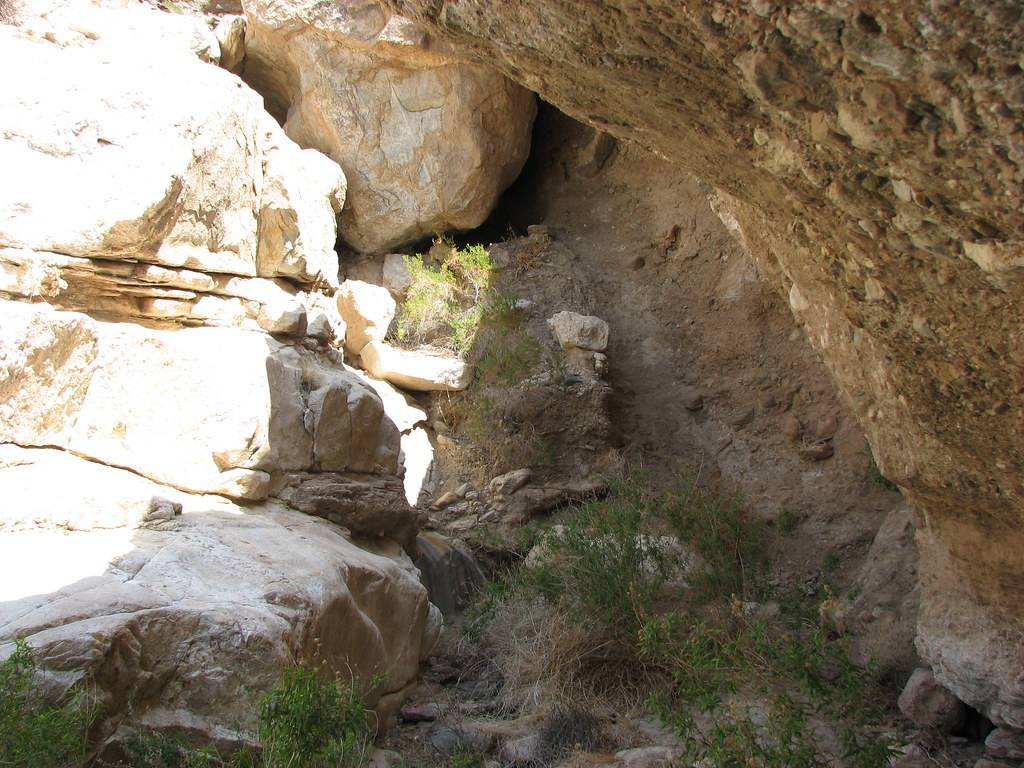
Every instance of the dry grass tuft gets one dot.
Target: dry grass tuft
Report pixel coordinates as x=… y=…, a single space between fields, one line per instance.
x=550 y=660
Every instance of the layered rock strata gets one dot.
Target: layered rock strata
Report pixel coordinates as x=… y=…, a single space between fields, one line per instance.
x=167 y=267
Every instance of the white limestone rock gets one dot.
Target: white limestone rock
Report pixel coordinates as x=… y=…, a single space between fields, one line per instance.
x=203 y=409
x=575 y=331
x=171 y=161
x=212 y=603
x=419 y=370
x=367 y=310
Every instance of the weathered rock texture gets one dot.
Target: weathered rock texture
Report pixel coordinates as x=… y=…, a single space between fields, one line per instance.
x=182 y=170
x=203 y=409
x=870 y=156
x=180 y=621
x=166 y=255
x=418 y=370
x=427 y=140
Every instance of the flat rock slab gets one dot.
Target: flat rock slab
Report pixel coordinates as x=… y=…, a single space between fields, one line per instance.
x=416 y=370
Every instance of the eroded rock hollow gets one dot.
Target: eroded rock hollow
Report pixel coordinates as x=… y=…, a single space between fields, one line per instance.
x=251 y=432
x=869 y=155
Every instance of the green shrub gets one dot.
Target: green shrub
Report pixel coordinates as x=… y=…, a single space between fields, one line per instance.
x=34 y=734
x=709 y=657
x=306 y=721
x=507 y=357
x=716 y=526
x=154 y=749
x=700 y=645
x=447 y=298
x=601 y=561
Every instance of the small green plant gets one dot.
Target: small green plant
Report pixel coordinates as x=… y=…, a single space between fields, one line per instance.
x=306 y=721
x=717 y=526
x=788 y=520
x=508 y=358
x=466 y=758
x=34 y=733
x=449 y=294
x=711 y=657
x=603 y=563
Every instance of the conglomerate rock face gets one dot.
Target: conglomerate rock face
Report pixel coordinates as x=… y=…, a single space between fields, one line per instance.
x=428 y=140
x=869 y=155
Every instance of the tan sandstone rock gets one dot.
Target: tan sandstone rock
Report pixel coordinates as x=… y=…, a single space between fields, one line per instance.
x=174 y=162
x=183 y=623
x=203 y=409
x=230 y=33
x=925 y=702
x=419 y=370
x=427 y=140
x=367 y=310
x=574 y=331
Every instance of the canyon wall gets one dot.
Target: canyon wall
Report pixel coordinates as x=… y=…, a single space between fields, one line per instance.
x=869 y=156
x=173 y=393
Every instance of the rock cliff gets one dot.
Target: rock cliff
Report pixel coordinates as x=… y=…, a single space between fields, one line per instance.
x=173 y=395
x=869 y=156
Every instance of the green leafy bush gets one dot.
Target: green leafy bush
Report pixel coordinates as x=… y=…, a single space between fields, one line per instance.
x=799 y=674
x=448 y=297
x=740 y=686
x=305 y=721
x=716 y=526
x=602 y=563
x=615 y=555
x=33 y=733
x=153 y=749
x=309 y=722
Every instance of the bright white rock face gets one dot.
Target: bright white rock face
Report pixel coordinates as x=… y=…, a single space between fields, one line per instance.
x=132 y=148
x=367 y=310
x=168 y=329
x=418 y=370
x=203 y=409
x=183 y=622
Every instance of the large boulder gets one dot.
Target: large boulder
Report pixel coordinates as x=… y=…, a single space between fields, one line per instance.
x=870 y=160
x=171 y=161
x=204 y=409
x=428 y=140
x=184 y=622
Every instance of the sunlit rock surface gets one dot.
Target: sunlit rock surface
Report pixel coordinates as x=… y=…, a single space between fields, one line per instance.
x=428 y=140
